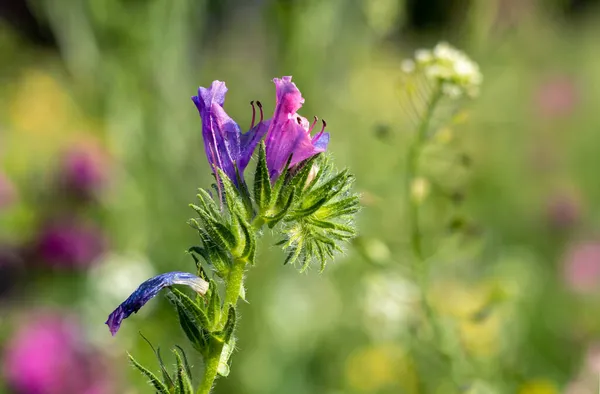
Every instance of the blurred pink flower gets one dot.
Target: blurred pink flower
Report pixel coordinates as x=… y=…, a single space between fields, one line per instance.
x=7 y=191
x=70 y=243
x=84 y=170
x=557 y=97
x=582 y=266
x=563 y=210
x=48 y=355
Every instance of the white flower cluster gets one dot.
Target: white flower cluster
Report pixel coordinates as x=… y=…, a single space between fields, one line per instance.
x=452 y=69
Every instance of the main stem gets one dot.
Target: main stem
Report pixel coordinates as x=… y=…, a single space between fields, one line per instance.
x=233 y=285
x=421 y=267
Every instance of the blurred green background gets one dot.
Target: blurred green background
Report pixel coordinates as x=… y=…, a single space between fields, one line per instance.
x=101 y=152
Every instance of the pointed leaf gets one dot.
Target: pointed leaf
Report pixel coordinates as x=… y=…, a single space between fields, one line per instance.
x=214 y=305
x=262 y=182
x=227 y=332
x=158 y=385
x=184 y=383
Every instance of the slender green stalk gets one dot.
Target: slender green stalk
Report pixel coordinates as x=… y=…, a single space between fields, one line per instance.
x=233 y=285
x=420 y=263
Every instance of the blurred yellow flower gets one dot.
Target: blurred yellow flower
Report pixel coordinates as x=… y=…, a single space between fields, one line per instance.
x=372 y=369
x=40 y=104
x=538 y=386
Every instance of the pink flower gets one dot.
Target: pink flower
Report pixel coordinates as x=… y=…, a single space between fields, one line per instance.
x=289 y=134
x=582 y=267
x=48 y=355
x=557 y=97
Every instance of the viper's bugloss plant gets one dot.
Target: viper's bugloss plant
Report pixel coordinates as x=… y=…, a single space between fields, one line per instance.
x=296 y=192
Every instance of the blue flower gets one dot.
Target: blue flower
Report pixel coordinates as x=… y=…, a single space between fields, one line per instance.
x=148 y=290
x=225 y=145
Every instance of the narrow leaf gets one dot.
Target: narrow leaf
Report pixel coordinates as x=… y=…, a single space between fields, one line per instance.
x=158 y=385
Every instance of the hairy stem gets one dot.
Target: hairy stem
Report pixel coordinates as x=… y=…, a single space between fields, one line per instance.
x=233 y=285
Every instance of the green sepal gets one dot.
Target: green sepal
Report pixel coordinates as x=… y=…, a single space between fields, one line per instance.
x=191 y=308
x=227 y=332
x=158 y=385
x=273 y=220
x=184 y=382
x=301 y=173
x=244 y=192
x=213 y=309
x=233 y=198
x=306 y=211
x=278 y=188
x=249 y=240
x=262 y=182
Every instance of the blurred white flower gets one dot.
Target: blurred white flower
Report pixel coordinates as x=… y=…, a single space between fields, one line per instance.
x=453 y=70
x=110 y=282
x=388 y=304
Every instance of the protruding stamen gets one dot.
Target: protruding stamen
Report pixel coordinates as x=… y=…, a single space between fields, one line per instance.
x=261 y=110
x=299 y=120
x=312 y=126
x=253 y=114
x=316 y=137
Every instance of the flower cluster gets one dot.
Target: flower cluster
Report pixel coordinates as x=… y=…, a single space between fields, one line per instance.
x=456 y=73
x=287 y=133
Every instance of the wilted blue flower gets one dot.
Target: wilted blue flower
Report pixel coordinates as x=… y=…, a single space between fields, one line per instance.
x=148 y=290
x=289 y=133
x=224 y=143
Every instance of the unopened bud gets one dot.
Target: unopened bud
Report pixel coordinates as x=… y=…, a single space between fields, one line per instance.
x=311 y=175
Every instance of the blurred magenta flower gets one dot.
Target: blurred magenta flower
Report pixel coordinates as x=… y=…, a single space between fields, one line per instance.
x=557 y=97
x=225 y=145
x=582 y=266
x=7 y=191
x=84 y=170
x=148 y=290
x=70 y=243
x=289 y=133
x=49 y=355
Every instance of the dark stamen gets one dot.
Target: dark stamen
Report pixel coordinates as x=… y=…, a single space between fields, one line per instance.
x=253 y=113
x=312 y=126
x=261 y=110
x=299 y=120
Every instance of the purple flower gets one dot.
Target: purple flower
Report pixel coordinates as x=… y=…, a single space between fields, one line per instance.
x=289 y=133
x=83 y=170
x=49 y=355
x=70 y=243
x=148 y=290
x=225 y=145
